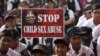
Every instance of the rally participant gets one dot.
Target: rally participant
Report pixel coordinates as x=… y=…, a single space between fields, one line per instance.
x=5 y=40
x=69 y=17
x=86 y=15
x=95 y=20
x=75 y=35
x=40 y=50
x=88 y=36
x=61 y=47
x=10 y=23
x=18 y=46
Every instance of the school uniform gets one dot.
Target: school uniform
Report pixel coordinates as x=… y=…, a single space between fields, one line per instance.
x=89 y=23
x=21 y=47
x=10 y=53
x=83 y=51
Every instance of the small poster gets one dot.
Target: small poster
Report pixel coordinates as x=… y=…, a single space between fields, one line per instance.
x=42 y=23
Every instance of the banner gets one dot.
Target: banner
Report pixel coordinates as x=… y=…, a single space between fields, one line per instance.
x=42 y=23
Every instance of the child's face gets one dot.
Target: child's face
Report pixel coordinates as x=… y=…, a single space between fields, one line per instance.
x=4 y=43
x=11 y=23
x=61 y=49
x=76 y=40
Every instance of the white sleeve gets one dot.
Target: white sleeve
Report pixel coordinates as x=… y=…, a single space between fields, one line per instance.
x=77 y=6
x=90 y=52
x=88 y=0
x=86 y=23
x=71 y=14
x=98 y=41
x=9 y=6
x=81 y=21
x=98 y=46
x=96 y=32
x=2 y=28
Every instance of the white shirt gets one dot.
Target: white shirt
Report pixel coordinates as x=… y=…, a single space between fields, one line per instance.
x=28 y=1
x=98 y=46
x=89 y=23
x=83 y=50
x=2 y=28
x=77 y=6
x=71 y=17
x=96 y=35
x=96 y=32
x=81 y=21
x=88 y=1
x=21 y=47
x=9 y=6
x=11 y=53
x=71 y=14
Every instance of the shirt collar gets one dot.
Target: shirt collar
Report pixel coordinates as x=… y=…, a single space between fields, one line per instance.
x=9 y=51
x=73 y=51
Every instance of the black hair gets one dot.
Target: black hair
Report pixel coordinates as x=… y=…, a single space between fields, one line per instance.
x=14 y=34
x=95 y=1
x=62 y=41
x=24 y=3
x=95 y=6
x=9 y=17
x=87 y=7
x=40 y=48
x=51 y=2
x=6 y=34
x=88 y=30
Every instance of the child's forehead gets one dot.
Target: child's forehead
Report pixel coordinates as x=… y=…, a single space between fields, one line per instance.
x=6 y=37
x=77 y=36
x=60 y=44
x=11 y=19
